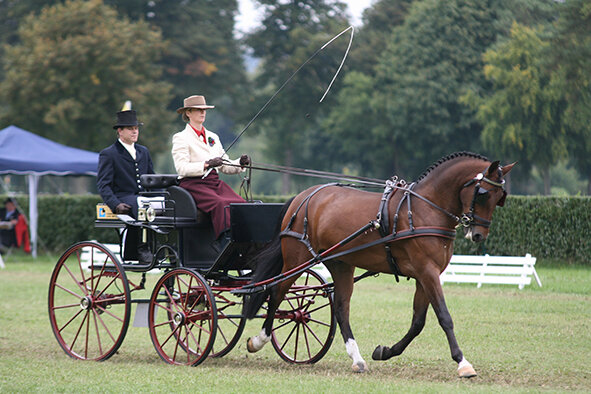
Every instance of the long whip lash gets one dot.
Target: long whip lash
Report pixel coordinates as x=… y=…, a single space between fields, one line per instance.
x=295 y=72
x=290 y=78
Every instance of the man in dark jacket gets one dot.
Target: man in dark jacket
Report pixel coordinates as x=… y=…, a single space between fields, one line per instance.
x=9 y=218
x=119 y=170
x=121 y=164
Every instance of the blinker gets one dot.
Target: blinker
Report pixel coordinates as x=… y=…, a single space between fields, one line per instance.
x=482 y=196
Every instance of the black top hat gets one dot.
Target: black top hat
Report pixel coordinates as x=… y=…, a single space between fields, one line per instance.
x=9 y=200
x=126 y=119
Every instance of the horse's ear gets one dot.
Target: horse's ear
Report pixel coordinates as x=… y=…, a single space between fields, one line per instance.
x=492 y=169
x=507 y=168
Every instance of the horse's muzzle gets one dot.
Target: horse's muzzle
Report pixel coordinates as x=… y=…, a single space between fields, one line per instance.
x=474 y=236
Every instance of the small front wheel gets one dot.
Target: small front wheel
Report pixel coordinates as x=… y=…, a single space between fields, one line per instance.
x=182 y=317
x=89 y=302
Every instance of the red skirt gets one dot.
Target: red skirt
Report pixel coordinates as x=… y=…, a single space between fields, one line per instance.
x=213 y=196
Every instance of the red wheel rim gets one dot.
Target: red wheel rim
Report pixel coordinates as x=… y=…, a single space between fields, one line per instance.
x=182 y=317
x=89 y=304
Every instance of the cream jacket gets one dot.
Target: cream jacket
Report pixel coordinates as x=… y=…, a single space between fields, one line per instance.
x=190 y=153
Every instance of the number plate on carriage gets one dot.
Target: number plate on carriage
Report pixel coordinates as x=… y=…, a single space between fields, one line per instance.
x=104 y=212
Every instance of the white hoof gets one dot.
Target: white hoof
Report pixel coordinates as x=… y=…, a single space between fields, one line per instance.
x=254 y=344
x=465 y=369
x=360 y=367
x=250 y=347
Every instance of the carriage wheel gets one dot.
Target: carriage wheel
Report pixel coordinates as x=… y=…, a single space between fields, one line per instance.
x=182 y=317
x=230 y=322
x=89 y=302
x=304 y=324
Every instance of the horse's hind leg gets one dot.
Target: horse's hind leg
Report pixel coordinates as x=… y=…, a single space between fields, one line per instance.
x=342 y=275
x=420 y=306
x=256 y=343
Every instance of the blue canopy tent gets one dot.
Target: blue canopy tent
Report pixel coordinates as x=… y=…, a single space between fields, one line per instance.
x=25 y=153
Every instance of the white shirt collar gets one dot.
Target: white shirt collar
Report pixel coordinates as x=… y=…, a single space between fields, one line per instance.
x=129 y=147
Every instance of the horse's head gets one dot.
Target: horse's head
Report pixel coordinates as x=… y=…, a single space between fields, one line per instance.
x=479 y=197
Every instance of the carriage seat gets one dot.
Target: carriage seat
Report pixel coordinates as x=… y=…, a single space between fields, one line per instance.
x=182 y=203
x=158 y=181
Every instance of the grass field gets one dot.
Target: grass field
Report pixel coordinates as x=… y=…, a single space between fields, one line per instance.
x=531 y=340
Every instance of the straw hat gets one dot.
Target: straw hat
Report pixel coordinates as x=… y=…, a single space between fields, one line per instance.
x=194 y=102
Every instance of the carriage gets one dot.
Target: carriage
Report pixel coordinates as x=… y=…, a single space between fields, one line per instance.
x=199 y=306
x=192 y=312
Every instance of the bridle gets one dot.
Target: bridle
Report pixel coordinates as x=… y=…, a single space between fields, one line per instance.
x=480 y=196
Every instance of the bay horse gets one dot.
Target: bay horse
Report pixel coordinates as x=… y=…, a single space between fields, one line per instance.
x=420 y=218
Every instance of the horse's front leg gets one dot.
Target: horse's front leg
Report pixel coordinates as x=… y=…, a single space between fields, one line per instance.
x=420 y=306
x=422 y=299
x=342 y=275
x=434 y=291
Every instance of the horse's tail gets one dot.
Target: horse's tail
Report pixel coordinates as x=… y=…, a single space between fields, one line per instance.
x=266 y=263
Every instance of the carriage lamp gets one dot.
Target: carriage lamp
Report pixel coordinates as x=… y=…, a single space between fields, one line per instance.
x=150 y=214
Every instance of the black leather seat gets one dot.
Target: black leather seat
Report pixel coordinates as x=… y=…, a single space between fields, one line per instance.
x=181 y=204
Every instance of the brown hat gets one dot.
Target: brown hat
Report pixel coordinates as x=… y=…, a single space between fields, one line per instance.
x=194 y=102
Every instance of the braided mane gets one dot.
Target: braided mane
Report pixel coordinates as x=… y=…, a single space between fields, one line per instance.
x=447 y=158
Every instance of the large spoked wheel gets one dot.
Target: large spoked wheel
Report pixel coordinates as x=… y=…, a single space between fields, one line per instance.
x=230 y=321
x=182 y=317
x=89 y=302
x=304 y=325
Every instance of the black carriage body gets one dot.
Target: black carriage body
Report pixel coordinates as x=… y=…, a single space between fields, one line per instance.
x=189 y=231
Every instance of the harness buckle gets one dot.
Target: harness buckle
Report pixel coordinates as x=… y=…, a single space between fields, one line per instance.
x=466 y=220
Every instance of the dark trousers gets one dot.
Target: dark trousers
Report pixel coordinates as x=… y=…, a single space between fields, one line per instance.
x=212 y=195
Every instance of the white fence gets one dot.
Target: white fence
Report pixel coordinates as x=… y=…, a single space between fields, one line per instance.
x=510 y=270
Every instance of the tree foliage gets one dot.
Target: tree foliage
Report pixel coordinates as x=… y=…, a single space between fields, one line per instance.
x=432 y=57
x=74 y=66
x=522 y=116
x=375 y=33
x=569 y=60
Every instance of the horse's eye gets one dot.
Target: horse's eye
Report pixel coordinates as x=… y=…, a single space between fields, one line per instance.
x=482 y=196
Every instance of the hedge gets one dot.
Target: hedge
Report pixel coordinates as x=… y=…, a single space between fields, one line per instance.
x=547 y=227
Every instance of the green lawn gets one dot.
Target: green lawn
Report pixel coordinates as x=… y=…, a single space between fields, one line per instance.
x=531 y=340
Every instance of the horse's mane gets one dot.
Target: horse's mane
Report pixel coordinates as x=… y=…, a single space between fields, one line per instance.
x=447 y=158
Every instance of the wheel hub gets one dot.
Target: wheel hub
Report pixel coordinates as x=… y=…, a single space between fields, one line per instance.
x=86 y=303
x=178 y=318
x=301 y=317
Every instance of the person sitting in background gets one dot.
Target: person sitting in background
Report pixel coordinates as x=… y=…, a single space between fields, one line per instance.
x=118 y=178
x=9 y=218
x=198 y=156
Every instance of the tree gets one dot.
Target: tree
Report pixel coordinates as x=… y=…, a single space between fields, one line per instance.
x=432 y=58
x=522 y=117
x=569 y=61
x=75 y=65
x=290 y=33
x=375 y=33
